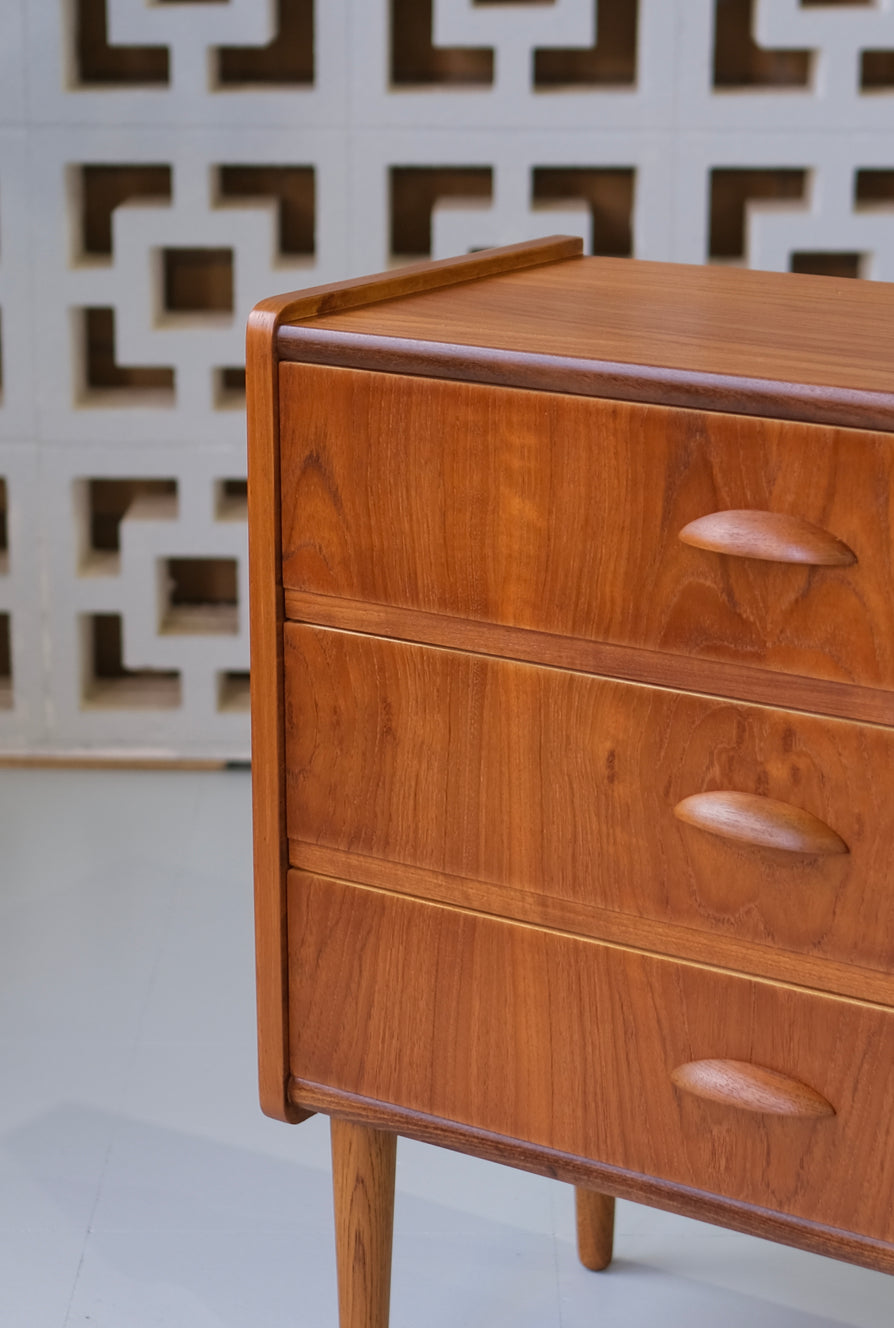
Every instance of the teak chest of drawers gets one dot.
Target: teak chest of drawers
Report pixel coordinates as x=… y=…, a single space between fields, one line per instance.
x=573 y=737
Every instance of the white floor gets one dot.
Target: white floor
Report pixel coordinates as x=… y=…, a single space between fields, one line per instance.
x=139 y=1184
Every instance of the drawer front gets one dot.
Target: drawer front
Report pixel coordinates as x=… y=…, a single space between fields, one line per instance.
x=581 y=788
x=596 y=1050
x=563 y=514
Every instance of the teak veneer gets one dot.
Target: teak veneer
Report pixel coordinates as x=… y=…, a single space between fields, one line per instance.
x=572 y=598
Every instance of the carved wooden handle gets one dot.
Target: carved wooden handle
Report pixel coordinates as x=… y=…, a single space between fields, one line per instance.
x=751 y=1088
x=771 y=536
x=749 y=818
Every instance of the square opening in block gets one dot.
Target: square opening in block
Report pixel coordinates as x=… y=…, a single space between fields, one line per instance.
x=733 y=190
x=610 y=62
x=198 y=281
x=286 y=60
x=231 y=502
x=416 y=60
x=4 y=529
x=5 y=662
x=233 y=692
x=108 y=684
x=229 y=388
x=294 y=190
x=100 y=62
x=876 y=71
x=107 y=502
x=201 y=596
x=821 y=264
x=874 y=188
x=414 y=192
x=103 y=187
x=103 y=378
x=741 y=62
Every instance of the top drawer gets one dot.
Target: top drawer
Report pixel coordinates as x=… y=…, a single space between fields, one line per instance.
x=563 y=514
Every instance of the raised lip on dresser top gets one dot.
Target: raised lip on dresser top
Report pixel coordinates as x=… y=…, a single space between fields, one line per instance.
x=710 y=338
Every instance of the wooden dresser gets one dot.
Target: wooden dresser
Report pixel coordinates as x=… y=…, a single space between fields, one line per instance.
x=573 y=737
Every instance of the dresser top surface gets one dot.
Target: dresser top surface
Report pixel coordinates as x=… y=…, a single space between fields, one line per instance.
x=728 y=322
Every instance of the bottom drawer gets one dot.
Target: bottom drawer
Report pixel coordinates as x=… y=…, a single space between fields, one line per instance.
x=625 y=1058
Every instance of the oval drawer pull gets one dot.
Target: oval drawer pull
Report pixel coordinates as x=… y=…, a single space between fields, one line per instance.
x=750 y=818
x=771 y=536
x=750 y=1087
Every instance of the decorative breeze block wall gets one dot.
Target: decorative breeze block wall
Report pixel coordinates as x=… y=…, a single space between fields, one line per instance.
x=165 y=165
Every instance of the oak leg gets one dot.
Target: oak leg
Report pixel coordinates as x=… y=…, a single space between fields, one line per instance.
x=595 y=1228
x=363 y=1181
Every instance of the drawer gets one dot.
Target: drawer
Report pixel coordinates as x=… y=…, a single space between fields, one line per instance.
x=598 y=1051
x=581 y=788
x=563 y=514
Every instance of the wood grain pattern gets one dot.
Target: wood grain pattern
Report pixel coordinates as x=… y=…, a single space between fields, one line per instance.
x=769 y=536
x=561 y=515
x=750 y=1088
x=611 y=380
x=266 y=607
x=268 y=786
x=755 y=819
x=739 y=681
x=565 y=785
x=542 y=956
x=672 y=1198
x=363 y=1164
x=414 y=279
x=528 y=1034
x=794 y=347
x=595 y=1221
x=584 y=918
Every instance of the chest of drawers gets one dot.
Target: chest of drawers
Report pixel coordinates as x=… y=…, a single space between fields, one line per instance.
x=573 y=737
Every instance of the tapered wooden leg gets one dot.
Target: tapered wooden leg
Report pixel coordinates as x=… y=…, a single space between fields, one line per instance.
x=595 y=1228
x=363 y=1180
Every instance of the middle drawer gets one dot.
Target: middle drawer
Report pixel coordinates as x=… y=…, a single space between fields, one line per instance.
x=590 y=790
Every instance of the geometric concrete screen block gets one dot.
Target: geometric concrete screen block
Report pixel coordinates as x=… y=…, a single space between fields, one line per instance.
x=152 y=596
x=165 y=166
